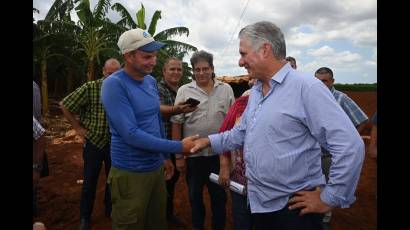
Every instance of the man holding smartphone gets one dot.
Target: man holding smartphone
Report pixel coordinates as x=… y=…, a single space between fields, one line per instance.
x=215 y=99
x=167 y=89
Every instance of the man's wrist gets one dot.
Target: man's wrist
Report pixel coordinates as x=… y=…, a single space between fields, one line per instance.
x=179 y=156
x=177 y=109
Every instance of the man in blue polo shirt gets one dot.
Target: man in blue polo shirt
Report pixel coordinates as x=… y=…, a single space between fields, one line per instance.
x=139 y=147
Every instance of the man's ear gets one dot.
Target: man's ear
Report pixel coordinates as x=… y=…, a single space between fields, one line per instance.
x=266 y=49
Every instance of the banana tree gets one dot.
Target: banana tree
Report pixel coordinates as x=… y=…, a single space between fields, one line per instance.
x=47 y=35
x=98 y=33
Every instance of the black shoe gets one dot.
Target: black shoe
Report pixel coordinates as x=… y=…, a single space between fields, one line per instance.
x=84 y=224
x=176 y=221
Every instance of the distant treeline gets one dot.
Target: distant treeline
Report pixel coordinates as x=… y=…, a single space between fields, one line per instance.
x=356 y=87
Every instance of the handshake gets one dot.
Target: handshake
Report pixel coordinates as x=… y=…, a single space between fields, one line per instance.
x=193 y=144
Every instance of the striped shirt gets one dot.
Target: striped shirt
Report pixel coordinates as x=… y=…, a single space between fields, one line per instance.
x=353 y=111
x=86 y=101
x=38 y=130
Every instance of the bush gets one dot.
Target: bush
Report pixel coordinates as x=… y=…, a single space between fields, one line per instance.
x=356 y=87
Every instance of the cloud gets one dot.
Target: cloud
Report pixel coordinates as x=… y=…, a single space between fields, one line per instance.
x=311 y=29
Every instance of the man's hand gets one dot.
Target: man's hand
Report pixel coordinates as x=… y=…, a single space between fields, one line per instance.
x=81 y=131
x=308 y=202
x=182 y=107
x=168 y=169
x=200 y=144
x=224 y=170
x=188 y=143
x=180 y=164
x=224 y=176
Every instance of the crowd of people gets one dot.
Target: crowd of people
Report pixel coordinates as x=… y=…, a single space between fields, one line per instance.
x=292 y=141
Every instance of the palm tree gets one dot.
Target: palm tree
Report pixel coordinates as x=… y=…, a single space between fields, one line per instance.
x=98 y=34
x=172 y=48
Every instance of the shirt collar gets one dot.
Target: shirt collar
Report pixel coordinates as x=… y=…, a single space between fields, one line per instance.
x=216 y=83
x=278 y=77
x=162 y=82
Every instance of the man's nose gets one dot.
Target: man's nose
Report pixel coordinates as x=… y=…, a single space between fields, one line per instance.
x=241 y=62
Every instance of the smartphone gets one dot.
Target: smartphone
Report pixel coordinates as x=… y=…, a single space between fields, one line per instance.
x=192 y=102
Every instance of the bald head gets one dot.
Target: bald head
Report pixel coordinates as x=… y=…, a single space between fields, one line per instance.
x=110 y=66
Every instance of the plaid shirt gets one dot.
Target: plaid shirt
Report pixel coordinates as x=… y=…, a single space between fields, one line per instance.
x=166 y=97
x=86 y=100
x=356 y=115
x=38 y=130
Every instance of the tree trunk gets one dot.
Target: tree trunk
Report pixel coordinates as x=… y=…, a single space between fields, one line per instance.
x=44 y=87
x=90 y=71
x=70 y=81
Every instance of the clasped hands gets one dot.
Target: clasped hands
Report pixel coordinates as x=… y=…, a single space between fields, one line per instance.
x=193 y=144
x=190 y=145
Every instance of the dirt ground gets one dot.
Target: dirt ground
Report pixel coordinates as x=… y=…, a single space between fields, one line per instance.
x=59 y=193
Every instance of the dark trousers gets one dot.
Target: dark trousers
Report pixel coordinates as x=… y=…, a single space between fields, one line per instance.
x=171 y=189
x=93 y=159
x=35 y=211
x=241 y=213
x=286 y=219
x=198 y=170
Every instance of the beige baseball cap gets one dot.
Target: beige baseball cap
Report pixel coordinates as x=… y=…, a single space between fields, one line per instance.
x=138 y=39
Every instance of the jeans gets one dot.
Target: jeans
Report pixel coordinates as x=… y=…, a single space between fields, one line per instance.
x=286 y=219
x=93 y=159
x=198 y=170
x=35 y=211
x=241 y=213
x=171 y=188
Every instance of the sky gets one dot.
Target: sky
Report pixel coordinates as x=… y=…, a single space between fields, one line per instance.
x=341 y=35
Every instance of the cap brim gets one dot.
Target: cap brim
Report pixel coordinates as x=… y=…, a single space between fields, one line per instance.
x=152 y=46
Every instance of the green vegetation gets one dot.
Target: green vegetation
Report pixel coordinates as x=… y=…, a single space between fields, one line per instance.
x=357 y=87
x=66 y=53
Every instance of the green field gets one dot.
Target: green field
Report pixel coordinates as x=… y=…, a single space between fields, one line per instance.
x=356 y=87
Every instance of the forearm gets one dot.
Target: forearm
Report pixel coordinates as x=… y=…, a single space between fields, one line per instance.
x=176 y=134
x=344 y=174
x=224 y=162
x=176 y=131
x=169 y=110
x=373 y=142
x=227 y=141
x=70 y=117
